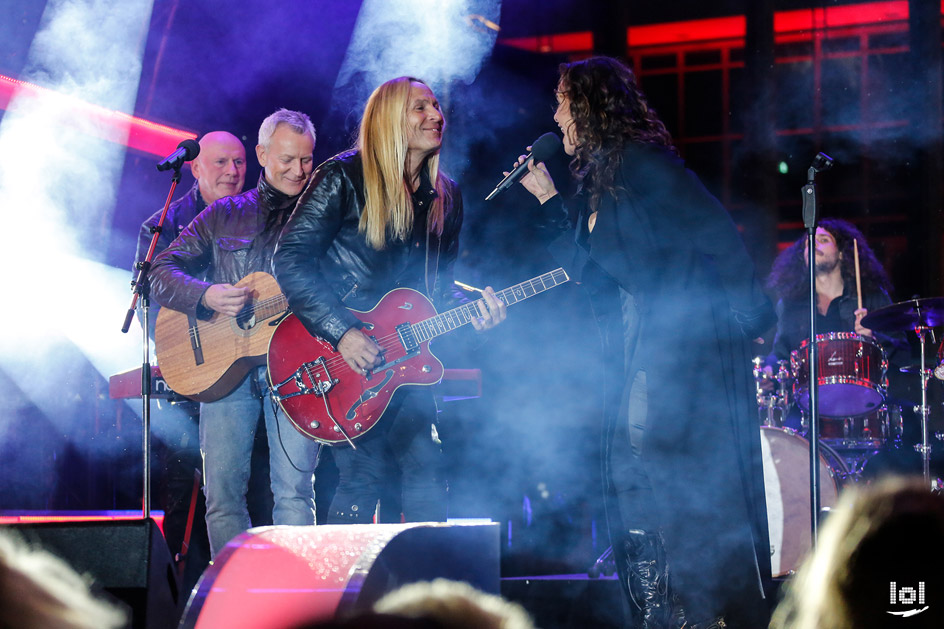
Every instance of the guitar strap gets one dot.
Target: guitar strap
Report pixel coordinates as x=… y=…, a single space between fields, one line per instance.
x=429 y=288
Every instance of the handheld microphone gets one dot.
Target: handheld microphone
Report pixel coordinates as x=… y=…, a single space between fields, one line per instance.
x=186 y=151
x=542 y=149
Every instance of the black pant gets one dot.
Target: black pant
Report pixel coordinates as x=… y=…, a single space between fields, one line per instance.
x=402 y=444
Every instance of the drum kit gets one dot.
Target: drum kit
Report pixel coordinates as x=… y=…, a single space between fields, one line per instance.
x=857 y=419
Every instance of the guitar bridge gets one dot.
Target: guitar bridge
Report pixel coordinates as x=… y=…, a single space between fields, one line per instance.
x=312 y=371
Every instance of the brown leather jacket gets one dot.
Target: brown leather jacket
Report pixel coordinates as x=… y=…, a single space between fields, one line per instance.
x=232 y=238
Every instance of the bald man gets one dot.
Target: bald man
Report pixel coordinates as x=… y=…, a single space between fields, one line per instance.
x=220 y=171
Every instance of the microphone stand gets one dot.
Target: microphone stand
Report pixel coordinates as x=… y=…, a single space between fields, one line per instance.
x=141 y=287
x=820 y=162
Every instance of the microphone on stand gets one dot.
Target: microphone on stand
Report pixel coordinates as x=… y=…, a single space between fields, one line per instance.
x=822 y=162
x=542 y=149
x=186 y=151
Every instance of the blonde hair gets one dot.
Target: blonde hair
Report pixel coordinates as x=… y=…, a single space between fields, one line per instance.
x=38 y=589
x=382 y=142
x=455 y=605
x=845 y=582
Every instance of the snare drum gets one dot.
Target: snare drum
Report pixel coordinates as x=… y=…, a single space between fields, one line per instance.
x=850 y=373
x=786 y=458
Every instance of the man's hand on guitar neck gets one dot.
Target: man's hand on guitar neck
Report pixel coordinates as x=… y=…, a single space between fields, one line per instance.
x=225 y=298
x=359 y=351
x=492 y=308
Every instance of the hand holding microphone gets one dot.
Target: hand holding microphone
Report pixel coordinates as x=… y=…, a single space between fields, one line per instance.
x=542 y=149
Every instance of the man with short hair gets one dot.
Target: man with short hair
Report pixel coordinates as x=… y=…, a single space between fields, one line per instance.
x=220 y=171
x=197 y=274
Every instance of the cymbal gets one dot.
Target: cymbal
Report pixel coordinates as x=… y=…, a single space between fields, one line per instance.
x=907 y=315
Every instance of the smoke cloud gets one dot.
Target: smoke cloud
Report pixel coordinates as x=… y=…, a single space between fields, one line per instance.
x=438 y=42
x=57 y=184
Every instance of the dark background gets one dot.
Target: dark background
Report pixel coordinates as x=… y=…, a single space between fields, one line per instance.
x=748 y=114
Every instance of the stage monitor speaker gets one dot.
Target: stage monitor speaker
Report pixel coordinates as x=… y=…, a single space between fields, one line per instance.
x=284 y=576
x=129 y=559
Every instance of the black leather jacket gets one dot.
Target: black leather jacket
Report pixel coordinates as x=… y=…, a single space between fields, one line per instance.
x=232 y=238
x=324 y=264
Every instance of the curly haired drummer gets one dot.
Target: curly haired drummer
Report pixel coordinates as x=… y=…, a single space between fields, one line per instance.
x=837 y=309
x=855 y=353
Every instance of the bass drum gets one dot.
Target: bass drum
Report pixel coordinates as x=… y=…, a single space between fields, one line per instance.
x=787 y=483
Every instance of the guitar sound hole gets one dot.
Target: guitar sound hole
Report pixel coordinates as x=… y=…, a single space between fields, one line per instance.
x=246 y=318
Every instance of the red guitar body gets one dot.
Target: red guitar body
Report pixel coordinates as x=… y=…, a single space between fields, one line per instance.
x=328 y=401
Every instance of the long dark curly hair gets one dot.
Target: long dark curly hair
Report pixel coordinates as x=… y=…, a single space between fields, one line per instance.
x=789 y=277
x=609 y=111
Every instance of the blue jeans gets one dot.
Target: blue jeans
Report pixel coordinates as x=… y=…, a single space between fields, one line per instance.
x=227 y=430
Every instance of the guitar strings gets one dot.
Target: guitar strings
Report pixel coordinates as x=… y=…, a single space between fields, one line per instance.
x=280 y=299
x=391 y=341
x=260 y=306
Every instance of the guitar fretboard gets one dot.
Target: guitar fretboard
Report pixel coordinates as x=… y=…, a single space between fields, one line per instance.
x=458 y=317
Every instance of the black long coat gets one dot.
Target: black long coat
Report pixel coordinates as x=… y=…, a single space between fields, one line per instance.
x=667 y=241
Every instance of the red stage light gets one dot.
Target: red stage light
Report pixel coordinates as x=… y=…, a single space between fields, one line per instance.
x=800 y=21
x=39 y=517
x=135 y=133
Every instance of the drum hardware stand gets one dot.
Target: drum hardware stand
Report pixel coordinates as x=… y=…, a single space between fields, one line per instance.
x=772 y=407
x=921 y=316
x=924 y=449
x=821 y=162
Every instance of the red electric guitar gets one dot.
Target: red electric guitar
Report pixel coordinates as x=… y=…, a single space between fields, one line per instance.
x=332 y=403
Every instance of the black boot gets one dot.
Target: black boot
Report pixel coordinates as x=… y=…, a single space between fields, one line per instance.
x=680 y=620
x=646 y=578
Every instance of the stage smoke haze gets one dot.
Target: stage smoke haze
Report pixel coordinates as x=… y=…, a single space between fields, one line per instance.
x=432 y=40
x=57 y=184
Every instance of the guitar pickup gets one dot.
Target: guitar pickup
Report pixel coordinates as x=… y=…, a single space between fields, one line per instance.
x=407 y=338
x=392 y=363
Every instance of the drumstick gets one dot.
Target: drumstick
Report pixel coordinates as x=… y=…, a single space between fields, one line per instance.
x=855 y=252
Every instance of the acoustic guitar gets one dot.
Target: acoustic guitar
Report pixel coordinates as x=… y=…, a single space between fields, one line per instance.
x=205 y=359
